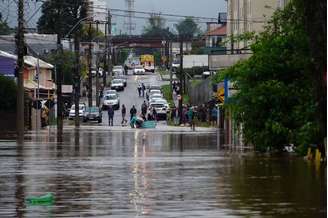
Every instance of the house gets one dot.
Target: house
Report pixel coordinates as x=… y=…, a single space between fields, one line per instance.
x=31 y=64
x=38 y=86
x=214 y=40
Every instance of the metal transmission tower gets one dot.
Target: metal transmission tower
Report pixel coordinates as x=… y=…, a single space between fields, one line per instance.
x=129 y=24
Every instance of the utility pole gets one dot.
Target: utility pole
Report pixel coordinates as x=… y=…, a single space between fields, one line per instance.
x=109 y=17
x=181 y=66
x=97 y=69
x=105 y=57
x=77 y=77
x=170 y=63
x=20 y=70
x=59 y=81
x=90 y=67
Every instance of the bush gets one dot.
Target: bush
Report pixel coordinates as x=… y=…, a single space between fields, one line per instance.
x=8 y=92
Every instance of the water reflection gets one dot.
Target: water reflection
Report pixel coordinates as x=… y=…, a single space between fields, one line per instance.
x=153 y=174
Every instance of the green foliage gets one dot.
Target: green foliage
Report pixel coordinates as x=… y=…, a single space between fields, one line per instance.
x=8 y=92
x=187 y=28
x=4 y=28
x=275 y=94
x=156 y=27
x=197 y=47
x=157 y=57
x=86 y=31
x=122 y=56
x=60 y=16
x=65 y=63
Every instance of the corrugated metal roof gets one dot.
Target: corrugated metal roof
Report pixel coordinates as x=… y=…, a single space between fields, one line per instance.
x=29 y=60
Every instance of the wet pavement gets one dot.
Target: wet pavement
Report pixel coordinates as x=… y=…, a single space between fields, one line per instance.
x=137 y=173
x=128 y=97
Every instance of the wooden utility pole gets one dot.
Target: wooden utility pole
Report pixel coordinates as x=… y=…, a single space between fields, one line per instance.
x=90 y=67
x=20 y=70
x=59 y=81
x=109 y=17
x=105 y=57
x=170 y=63
x=181 y=67
x=97 y=70
x=77 y=77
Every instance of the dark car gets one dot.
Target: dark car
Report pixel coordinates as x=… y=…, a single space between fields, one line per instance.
x=94 y=114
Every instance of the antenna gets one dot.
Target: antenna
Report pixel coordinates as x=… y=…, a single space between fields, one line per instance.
x=129 y=24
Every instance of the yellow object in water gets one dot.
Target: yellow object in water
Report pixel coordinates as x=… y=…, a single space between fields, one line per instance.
x=317 y=156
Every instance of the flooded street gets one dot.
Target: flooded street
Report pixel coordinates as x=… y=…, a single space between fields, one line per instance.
x=153 y=174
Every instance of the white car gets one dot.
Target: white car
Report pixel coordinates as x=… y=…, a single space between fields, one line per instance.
x=160 y=108
x=111 y=100
x=94 y=73
x=82 y=112
x=110 y=91
x=117 y=84
x=118 y=70
x=155 y=95
x=139 y=70
x=163 y=101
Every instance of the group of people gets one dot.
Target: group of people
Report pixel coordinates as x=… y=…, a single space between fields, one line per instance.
x=189 y=115
x=144 y=115
x=141 y=90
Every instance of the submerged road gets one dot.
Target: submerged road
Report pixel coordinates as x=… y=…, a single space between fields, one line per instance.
x=101 y=172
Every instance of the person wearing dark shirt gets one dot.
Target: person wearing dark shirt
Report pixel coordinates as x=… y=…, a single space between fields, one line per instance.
x=133 y=112
x=110 y=115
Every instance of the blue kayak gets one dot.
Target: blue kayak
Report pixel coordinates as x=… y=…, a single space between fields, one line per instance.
x=149 y=124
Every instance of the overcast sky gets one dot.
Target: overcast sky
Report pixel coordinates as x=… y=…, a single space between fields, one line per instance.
x=204 y=8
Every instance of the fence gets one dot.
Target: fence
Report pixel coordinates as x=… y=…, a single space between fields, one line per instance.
x=200 y=92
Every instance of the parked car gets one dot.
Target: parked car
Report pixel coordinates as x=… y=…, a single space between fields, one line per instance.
x=113 y=100
x=82 y=112
x=160 y=110
x=156 y=95
x=139 y=70
x=94 y=113
x=94 y=73
x=154 y=87
x=152 y=92
x=109 y=92
x=117 y=84
x=118 y=70
x=163 y=101
x=125 y=80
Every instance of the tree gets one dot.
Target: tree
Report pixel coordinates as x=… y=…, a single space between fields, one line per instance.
x=275 y=100
x=66 y=62
x=8 y=92
x=94 y=34
x=187 y=28
x=156 y=28
x=4 y=28
x=59 y=16
x=313 y=14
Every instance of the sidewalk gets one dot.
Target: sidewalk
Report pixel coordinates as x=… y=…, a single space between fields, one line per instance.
x=159 y=128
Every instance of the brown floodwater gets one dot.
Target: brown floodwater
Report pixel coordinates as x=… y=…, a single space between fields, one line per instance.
x=102 y=173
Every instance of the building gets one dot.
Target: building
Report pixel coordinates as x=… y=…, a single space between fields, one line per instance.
x=36 y=43
x=214 y=39
x=37 y=88
x=97 y=11
x=248 y=16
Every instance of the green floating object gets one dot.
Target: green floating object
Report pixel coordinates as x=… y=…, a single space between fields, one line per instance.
x=46 y=199
x=149 y=124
